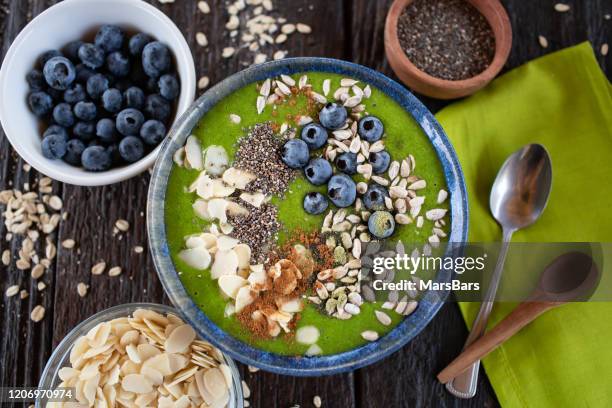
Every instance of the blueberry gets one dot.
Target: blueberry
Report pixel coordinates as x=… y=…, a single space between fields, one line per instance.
x=106 y=130
x=47 y=55
x=75 y=93
x=72 y=50
x=295 y=154
x=56 y=130
x=91 y=55
x=138 y=42
x=96 y=158
x=113 y=151
x=83 y=73
x=96 y=85
x=168 y=86
x=74 y=150
x=374 y=197
x=315 y=203
x=157 y=107
x=152 y=132
x=85 y=130
x=59 y=73
x=131 y=149
x=341 y=190
x=134 y=97
x=53 y=146
x=85 y=110
x=111 y=100
x=118 y=64
x=318 y=171
x=156 y=59
x=347 y=163
x=40 y=103
x=379 y=161
x=381 y=224
x=62 y=115
x=314 y=135
x=333 y=116
x=370 y=128
x=36 y=80
x=129 y=121
x=110 y=38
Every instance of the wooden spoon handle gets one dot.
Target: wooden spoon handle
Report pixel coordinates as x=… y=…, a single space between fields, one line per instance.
x=525 y=313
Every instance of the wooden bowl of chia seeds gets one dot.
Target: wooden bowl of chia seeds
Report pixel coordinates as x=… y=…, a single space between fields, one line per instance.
x=447 y=49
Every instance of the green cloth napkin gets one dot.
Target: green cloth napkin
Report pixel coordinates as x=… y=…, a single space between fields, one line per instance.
x=564 y=102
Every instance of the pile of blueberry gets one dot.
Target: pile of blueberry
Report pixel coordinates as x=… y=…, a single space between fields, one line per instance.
x=341 y=189
x=106 y=103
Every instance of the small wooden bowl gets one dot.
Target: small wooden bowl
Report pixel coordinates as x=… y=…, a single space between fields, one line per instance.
x=428 y=85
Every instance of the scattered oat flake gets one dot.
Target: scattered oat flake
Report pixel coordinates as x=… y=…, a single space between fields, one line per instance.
x=68 y=243
x=12 y=290
x=41 y=286
x=303 y=28
x=138 y=249
x=543 y=41
x=38 y=313
x=203 y=82
x=203 y=7
x=604 y=49
x=201 y=39
x=55 y=202
x=114 y=271
x=37 y=271
x=562 y=7
x=122 y=225
x=98 y=269
x=23 y=294
x=316 y=401
x=253 y=369
x=6 y=257
x=82 y=289
x=228 y=52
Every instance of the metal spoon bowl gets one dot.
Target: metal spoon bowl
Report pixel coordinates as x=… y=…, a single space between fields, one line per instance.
x=518 y=198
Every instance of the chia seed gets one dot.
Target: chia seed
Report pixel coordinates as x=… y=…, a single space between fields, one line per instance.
x=257 y=229
x=259 y=154
x=448 y=39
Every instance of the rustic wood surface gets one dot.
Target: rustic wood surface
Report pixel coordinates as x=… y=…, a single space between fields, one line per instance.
x=351 y=30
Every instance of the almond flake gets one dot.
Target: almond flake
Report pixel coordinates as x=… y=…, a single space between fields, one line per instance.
x=114 y=271
x=12 y=290
x=82 y=289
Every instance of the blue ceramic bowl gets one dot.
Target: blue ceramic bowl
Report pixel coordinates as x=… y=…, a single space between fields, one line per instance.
x=300 y=366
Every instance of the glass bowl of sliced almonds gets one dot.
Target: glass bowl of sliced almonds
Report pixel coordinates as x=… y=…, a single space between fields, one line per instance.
x=140 y=354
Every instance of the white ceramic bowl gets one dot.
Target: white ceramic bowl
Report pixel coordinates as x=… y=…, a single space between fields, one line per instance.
x=53 y=29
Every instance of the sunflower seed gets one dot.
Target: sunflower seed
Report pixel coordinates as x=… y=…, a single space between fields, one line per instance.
x=562 y=7
x=326 y=85
x=418 y=185
x=369 y=335
x=303 y=28
x=348 y=82
x=318 y=98
x=377 y=147
x=403 y=219
x=37 y=271
x=342 y=134
x=419 y=221
x=352 y=309
x=604 y=49
x=302 y=81
x=435 y=214
x=365 y=170
x=261 y=104
x=352 y=101
x=543 y=41
x=382 y=317
x=380 y=180
x=411 y=307
x=203 y=7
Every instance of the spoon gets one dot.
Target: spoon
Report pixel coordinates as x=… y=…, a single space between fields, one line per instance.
x=518 y=197
x=571 y=276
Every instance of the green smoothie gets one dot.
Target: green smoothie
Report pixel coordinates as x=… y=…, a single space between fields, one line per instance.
x=402 y=137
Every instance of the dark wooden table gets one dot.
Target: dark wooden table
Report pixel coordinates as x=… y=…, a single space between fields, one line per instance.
x=350 y=30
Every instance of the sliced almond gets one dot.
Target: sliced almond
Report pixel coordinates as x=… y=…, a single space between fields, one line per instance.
x=180 y=339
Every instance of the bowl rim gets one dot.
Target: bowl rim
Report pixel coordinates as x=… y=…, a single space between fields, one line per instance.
x=502 y=48
x=62 y=350
x=118 y=174
x=299 y=365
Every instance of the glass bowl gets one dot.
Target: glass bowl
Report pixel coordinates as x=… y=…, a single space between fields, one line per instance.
x=60 y=357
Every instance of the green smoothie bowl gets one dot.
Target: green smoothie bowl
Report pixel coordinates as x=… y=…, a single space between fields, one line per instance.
x=275 y=194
